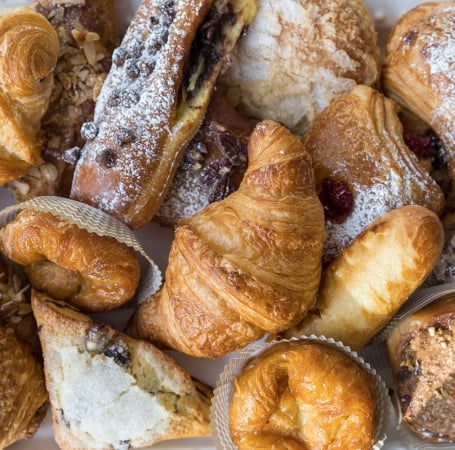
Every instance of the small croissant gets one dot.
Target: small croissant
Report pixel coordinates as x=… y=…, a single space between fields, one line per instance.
x=29 y=48
x=247 y=265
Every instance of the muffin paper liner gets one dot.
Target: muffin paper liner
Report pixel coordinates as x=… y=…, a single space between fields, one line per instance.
x=223 y=391
x=95 y=221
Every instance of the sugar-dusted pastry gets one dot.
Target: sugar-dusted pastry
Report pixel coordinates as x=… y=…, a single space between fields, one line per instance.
x=92 y=272
x=23 y=395
x=29 y=48
x=365 y=286
x=87 y=34
x=212 y=166
x=246 y=265
x=153 y=102
x=362 y=166
x=303 y=395
x=418 y=70
x=422 y=354
x=109 y=391
x=298 y=55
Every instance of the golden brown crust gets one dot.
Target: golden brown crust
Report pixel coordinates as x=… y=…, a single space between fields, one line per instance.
x=418 y=58
x=357 y=143
x=23 y=394
x=248 y=264
x=29 y=50
x=366 y=285
x=94 y=374
x=302 y=395
x=104 y=272
x=87 y=33
x=152 y=103
x=421 y=350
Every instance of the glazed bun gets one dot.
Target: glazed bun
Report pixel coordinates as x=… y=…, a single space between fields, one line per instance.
x=303 y=395
x=289 y=66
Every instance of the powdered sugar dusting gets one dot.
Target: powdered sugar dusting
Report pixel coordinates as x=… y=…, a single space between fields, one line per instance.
x=136 y=104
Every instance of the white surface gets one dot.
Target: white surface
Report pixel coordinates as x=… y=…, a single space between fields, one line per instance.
x=156 y=240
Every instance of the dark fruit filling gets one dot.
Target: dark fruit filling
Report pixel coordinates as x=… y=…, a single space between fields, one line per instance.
x=337 y=199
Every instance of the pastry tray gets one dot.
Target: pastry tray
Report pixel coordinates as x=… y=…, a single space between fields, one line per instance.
x=156 y=241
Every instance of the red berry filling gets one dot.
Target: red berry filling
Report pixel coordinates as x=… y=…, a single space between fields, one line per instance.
x=337 y=199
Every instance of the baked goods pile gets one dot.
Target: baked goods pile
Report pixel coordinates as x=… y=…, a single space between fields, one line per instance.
x=308 y=180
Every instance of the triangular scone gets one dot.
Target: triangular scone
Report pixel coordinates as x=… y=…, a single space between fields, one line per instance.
x=110 y=391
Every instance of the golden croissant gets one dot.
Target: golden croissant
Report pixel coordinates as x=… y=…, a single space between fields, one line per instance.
x=247 y=265
x=28 y=54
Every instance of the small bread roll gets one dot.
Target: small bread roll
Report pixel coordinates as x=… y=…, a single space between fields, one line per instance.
x=365 y=286
x=422 y=354
x=302 y=395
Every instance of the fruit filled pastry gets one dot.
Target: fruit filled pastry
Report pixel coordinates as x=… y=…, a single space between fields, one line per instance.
x=109 y=391
x=92 y=272
x=418 y=71
x=422 y=355
x=362 y=166
x=23 y=395
x=212 y=166
x=298 y=55
x=153 y=102
x=246 y=265
x=29 y=48
x=87 y=35
x=303 y=395
x=364 y=287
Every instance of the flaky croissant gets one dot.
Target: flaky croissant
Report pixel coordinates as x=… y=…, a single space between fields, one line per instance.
x=28 y=54
x=246 y=265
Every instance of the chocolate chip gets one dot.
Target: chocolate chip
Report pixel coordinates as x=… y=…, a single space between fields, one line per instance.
x=107 y=159
x=71 y=155
x=96 y=338
x=89 y=131
x=131 y=69
x=124 y=98
x=119 y=352
x=119 y=56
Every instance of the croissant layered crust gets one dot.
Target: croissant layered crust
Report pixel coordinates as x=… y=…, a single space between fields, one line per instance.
x=29 y=48
x=246 y=265
x=153 y=101
x=362 y=166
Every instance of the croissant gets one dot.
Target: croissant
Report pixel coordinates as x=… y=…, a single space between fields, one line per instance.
x=28 y=54
x=87 y=34
x=362 y=166
x=153 y=102
x=23 y=395
x=417 y=71
x=246 y=265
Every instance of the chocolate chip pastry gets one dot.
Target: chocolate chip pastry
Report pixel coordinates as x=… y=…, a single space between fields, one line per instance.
x=153 y=102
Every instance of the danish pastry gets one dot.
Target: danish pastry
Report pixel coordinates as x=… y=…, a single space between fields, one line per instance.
x=365 y=286
x=152 y=103
x=362 y=166
x=92 y=272
x=29 y=48
x=87 y=33
x=23 y=395
x=302 y=395
x=108 y=390
x=422 y=354
x=300 y=55
x=246 y=265
x=417 y=72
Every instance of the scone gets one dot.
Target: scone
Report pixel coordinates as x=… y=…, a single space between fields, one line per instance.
x=422 y=355
x=108 y=391
x=298 y=55
x=23 y=395
x=302 y=395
